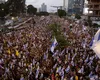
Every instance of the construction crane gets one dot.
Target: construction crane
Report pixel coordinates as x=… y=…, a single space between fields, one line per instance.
x=57 y=7
x=61 y=7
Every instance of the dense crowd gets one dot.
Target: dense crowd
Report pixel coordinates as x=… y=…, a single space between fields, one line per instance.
x=25 y=53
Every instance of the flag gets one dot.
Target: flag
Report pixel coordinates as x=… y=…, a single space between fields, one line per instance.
x=62 y=52
x=84 y=44
x=58 y=69
x=53 y=46
x=76 y=78
x=8 y=51
x=55 y=66
x=81 y=70
x=95 y=43
x=37 y=72
x=87 y=59
x=74 y=56
x=67 y=69
x=45 y=55
x=17 y=53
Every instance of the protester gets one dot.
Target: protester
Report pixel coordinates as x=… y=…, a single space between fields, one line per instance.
x=24 y=54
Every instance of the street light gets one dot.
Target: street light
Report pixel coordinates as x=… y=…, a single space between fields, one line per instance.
x=12 y=18
x=2 y=9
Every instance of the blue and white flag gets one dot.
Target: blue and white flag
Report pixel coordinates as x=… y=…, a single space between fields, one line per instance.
x=37 y=72
x=67 y=69
x=53 y=46
x=95 y=43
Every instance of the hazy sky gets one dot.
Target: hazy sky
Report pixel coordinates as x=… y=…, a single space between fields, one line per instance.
x=49 y=3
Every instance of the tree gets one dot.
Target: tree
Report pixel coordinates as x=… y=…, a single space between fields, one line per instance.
x=96 y=25
x=56 y=31
x=13 y=7
x=4 y=10
x=61 y=13
x=16 y=6
x=77 y=16
x=42 y=13
x=31 y=9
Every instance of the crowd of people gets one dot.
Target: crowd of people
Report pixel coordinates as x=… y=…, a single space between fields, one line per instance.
x=25 y=53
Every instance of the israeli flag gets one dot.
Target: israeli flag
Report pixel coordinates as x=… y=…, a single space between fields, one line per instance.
x=95 y=43
x=53 y=46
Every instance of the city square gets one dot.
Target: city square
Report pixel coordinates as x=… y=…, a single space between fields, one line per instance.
x=43 y=44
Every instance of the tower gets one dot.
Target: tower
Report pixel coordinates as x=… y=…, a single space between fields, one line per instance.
x=43 y=8
x=65 y=5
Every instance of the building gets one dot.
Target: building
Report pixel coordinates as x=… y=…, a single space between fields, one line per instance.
x=2 y=1
x=43 y=8
x=65 y=5
x=75 y=6
x=38 y=9
x=94 y=9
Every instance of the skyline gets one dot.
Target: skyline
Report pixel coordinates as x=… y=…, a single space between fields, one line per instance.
x=49 y=3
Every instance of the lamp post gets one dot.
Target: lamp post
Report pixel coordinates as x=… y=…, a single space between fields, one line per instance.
x=2 y=9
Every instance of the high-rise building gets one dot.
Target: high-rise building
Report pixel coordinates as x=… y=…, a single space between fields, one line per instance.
x=43 y=8
x=75 y=6
x=94 y=9
x=2 y=1
x=65 y=5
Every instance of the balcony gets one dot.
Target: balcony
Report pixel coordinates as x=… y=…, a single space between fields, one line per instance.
x=94 y=9
x=93 y=0
x=95 y=15
x=93 y=3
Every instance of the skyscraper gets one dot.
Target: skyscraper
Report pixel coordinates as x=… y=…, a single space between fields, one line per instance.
x=75 y=6
x=43 y=8
x=65 y=5
x=2 y=1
